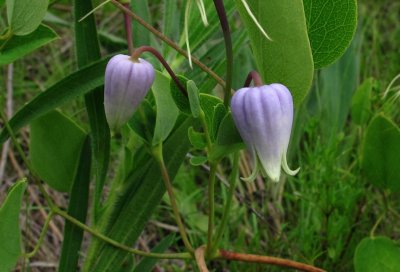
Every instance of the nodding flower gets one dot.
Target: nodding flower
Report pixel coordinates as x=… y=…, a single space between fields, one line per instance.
x=264 y=117
x=127 y=82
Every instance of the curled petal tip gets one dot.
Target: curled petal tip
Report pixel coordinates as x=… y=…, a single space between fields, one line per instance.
x=286 y=167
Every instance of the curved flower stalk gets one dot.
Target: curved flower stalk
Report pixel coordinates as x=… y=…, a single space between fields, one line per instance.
x=264 y=116
x=126 y=84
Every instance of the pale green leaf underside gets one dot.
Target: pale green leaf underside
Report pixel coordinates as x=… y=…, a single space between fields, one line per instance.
x=55 y=146
x=167 y=111
x=24 y=16
x=287 y=58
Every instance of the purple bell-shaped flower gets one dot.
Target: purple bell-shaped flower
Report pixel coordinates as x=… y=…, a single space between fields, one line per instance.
x=264 y=116
x=126 y=84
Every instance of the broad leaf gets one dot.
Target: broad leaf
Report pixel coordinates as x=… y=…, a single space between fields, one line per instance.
x=331 y=26
x=54 y=150
x=24 y=16
x=377 y=254
x=194 y=100
x=381 y=154
x=67 y=89
x=18 y=46
x=167 y=112
x=287 y=59
x=10 y=235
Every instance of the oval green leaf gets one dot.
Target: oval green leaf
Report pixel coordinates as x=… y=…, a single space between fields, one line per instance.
x=377 y=254
x=381 y=154
x=10 y=235
x=55 y=146
x=331 y=26
x=24 y=16
x=167 y=111
x=287 y=59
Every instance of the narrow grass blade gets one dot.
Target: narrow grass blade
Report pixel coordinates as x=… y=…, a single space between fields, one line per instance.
x=88 y=51
x=78 y=205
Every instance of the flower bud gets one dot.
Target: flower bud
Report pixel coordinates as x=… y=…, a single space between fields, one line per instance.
x=264 y=116
x=126 y=84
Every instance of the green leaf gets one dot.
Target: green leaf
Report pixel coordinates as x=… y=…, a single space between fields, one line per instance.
x=10 y=235
x=18 y=46
x=131 y=206
x=77 y=208
x=228 y=133
x=198 y=160
x=141 y=35
x=167 y=112
x=194 y=100
x=228 y=139
x=219 y=114
x=143 y=121
x=67 y=89
x=381 y=154
x=287 y=59
x=197 y=139
x=181 y=101
x=24 y=16
x=147 y=264
x=88 y=51
x=377 y=254
x=361 y=102
x=208 y=104
x=54 y=150
x=331 y=26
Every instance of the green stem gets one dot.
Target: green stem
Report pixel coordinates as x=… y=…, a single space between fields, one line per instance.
x=228 y=204
x=211 y=207
x=41 y=237
x=158 y=154
x=119 y=245
x=372 y=233
x=219 y=6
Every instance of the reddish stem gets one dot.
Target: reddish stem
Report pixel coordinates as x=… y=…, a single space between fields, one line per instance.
x=138 y=51
x=255 y=77
x=251 y=258
x=128 y=29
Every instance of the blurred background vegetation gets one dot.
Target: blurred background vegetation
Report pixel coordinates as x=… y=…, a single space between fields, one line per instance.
x=318 y=216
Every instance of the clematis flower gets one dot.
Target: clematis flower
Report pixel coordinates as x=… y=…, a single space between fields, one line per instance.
x=264 y=116
x=126 y=84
